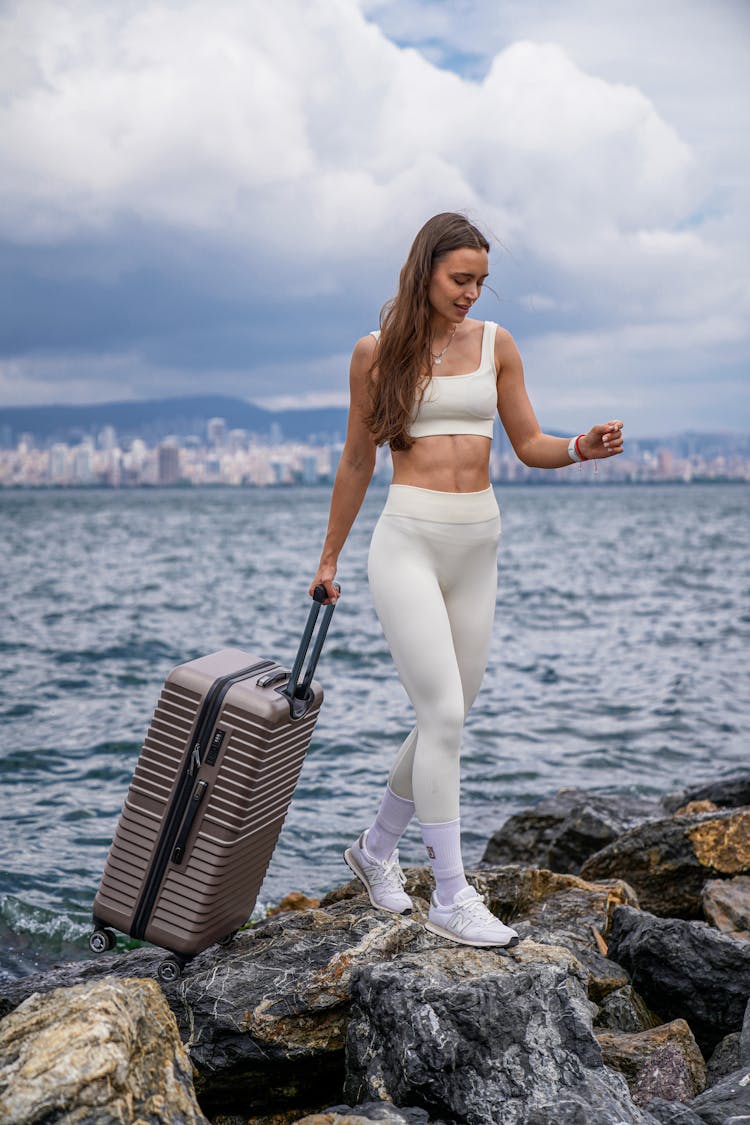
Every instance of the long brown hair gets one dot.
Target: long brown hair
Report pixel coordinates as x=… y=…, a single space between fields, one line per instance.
x=402 y=363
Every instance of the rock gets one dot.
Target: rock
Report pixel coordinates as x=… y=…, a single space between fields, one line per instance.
x=725 y=1059
x=726 y=905
x=480 y=1036
x=265 y=1018
x=684 y=970
x=662 y=1062
x=549 y=908
x=562 y=831
x=295 y=900
x=576 y=918
x=582 y=911
x=745 y=1038
x=104 y=1051
x=667 y=861
x=364 y=1114
x=511 y=891
x=516 y=893
x=673 y=1113
x=727 y=793
x=695 y=807
x=625 y=1010
x=137 y=963
x=727 y=1102
x=266 y=1022
x=603 y=974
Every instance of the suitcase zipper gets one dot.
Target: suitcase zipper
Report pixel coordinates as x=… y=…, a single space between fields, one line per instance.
x=208 y=715
x=198 y=794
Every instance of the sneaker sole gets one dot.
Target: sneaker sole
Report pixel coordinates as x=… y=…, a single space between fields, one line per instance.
x=442 y=932
x=352 y=864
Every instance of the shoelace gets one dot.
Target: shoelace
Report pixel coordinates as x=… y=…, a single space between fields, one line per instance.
x=386 y=872
x=474 y=910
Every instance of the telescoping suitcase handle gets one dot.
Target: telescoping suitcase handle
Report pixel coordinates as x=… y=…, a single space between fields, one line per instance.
x=300 y=695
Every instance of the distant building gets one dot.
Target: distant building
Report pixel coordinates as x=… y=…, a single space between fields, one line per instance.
x=59 y=455
x=168 y=463
x=310 y=472
x=83 y=463
x=107 y=438
x=237 y=440
x=217 y=432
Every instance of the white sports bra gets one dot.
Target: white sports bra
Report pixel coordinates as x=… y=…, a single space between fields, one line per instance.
x=460 y=404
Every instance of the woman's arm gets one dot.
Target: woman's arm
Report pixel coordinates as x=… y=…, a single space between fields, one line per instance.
x=534 y=448
x=354 y=471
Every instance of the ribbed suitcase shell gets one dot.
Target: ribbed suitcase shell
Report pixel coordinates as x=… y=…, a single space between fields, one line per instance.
x=213 y=890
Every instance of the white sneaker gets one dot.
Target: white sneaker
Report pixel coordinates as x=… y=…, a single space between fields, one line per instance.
x=468 y=921
x=382 y=878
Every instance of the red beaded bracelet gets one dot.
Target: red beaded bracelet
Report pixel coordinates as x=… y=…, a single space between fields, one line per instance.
x=580 y=453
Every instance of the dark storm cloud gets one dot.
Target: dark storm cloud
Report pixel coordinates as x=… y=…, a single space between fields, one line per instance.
x=222 y=197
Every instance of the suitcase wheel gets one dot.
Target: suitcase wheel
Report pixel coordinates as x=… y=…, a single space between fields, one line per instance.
x=227 y=939
x=169 y=970
x=101 y=941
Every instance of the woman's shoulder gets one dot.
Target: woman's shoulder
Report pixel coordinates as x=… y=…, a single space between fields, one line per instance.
x=363 y=356
x=365 y=346
x=506 y=351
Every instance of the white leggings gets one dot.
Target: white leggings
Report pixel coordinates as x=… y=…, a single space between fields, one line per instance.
x=433 y=577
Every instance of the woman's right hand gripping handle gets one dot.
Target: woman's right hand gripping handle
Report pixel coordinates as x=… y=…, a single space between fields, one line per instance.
x=324 y=578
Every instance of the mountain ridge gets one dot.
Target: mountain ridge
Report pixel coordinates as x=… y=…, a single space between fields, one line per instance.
x=154 y=419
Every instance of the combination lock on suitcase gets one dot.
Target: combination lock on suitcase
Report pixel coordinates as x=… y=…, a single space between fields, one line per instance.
x=208 y=798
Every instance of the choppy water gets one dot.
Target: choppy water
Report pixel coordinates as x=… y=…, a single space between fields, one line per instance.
x=619 y=662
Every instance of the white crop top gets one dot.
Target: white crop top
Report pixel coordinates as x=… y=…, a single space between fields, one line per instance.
x=460 y=404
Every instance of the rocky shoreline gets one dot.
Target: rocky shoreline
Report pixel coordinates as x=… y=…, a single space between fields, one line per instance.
x=626 y=1000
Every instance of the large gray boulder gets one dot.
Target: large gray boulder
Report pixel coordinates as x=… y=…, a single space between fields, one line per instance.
x=561 y=832
x=266 y=1023
x=480 y=1037
x=684 y=970
x=668 y=861
x=101 y=1053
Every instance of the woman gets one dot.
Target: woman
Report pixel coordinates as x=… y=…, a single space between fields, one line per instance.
x=428 y=384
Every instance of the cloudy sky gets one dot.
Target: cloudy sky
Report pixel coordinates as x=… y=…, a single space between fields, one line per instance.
x=218 y=196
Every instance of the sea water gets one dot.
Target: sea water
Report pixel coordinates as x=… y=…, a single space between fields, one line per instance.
x=618 y=662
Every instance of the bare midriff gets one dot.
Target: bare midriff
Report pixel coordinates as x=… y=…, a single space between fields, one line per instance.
x=445 y=463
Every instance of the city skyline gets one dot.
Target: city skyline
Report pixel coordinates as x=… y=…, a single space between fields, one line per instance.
x=237 y=457
x=222 y=197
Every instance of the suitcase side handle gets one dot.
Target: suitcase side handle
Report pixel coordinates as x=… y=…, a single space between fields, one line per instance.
x=300 y=694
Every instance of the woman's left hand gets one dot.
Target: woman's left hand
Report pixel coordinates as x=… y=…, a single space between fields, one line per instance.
x=602 y=441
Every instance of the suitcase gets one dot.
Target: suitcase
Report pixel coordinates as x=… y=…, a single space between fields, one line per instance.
x=208 y=798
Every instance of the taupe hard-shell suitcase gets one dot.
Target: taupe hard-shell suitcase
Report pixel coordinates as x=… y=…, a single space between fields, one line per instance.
x=208 y=798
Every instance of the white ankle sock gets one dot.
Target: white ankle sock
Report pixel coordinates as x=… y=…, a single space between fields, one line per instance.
x=443 y=843
x=393 y=816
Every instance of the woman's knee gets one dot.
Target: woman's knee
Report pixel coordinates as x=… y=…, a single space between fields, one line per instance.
x=441 y=724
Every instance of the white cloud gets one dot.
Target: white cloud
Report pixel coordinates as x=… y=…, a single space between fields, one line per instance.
x=302 y=147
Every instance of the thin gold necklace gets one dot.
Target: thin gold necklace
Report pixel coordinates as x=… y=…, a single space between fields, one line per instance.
x=438 y=359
